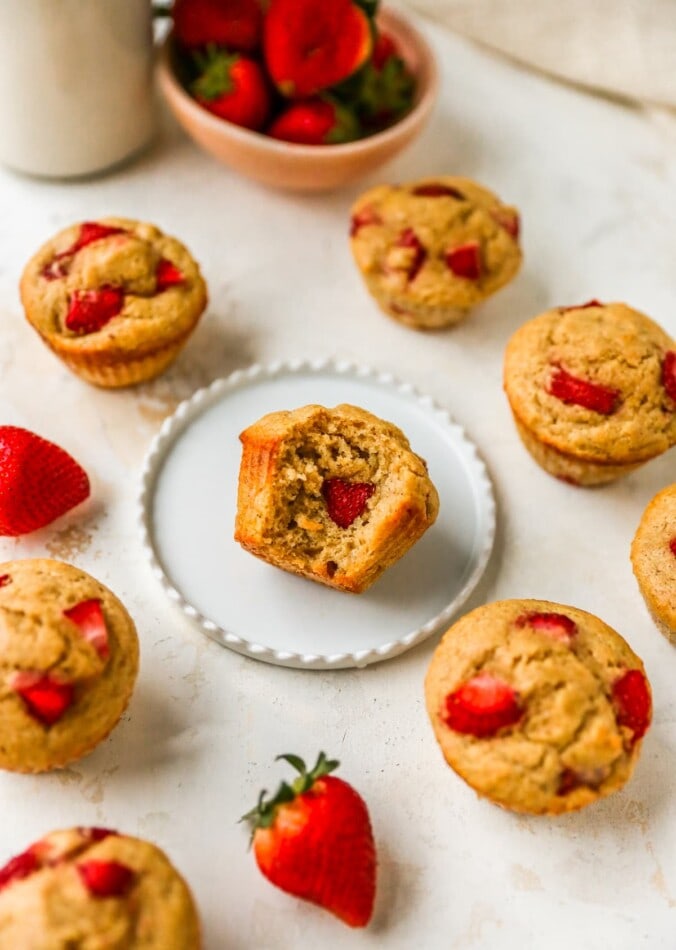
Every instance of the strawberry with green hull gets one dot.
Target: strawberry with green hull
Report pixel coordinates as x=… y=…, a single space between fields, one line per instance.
x=314 y=840
x=233 y=87
x=236 y=24
x=387 y=88
x=311 y=46
x=317 y=121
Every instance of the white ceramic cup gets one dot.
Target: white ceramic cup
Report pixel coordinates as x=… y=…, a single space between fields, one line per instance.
x=76 y=93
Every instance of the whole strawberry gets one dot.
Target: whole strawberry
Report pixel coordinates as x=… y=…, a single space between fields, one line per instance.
x=39 y=482
x=317 y=121
x=233 y=87
x=233 y=23
x=314 y=840
x=387 y=86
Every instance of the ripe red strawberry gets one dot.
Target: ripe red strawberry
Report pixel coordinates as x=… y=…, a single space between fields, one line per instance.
x=581 y=392
x=233 y=87
x=633 y=703
x=386 y=88
x=19 y=867
x=167 y=275
x=236 y=24
x=88 y=617
x=46 y=698
x=557 y=626
x=581 y=306
x=465 y=260
x=435 y=189
x=669 y=373
x=315 y=121
x=408 y=238
x=482 y=706
x=106 y=878
x=364 y=218
x=91 y=310
x=384 y=49
x=90 y=231
x=38 y=481
x=311 y=46
x=346 y=501
x=314 y=840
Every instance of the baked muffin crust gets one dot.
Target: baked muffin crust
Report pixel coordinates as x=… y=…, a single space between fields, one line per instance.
x=653 y=557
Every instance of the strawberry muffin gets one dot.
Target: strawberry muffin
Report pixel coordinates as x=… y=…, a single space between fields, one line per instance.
x=432 y=250
x=539 y=707
x=115 y=299
x=653 y=557
x=90 y=888
x=68 y=663
x=593 y=390
x=335 y=495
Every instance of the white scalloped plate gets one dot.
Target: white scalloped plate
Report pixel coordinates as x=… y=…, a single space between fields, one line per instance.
x=187 y=513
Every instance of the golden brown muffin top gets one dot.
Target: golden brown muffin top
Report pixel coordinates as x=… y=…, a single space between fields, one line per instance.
x=653 y=556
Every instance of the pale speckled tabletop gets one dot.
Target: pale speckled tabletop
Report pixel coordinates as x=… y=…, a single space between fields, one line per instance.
x=597 y=186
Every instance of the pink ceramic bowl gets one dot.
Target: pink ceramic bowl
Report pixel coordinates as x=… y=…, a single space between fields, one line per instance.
x=307 y=167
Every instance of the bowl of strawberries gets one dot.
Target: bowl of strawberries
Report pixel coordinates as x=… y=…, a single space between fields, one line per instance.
x=297 y=94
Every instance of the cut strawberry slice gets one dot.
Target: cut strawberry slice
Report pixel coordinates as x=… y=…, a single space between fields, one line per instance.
x=581 y=392
x=409 y=238
x=632 y=701
x=364 y=218
x=5 y=579
x=168 y=275
x=508 y=221
x=434 y=189
x=346 y=501
x=465 y=260
x=582 y=306
x=106 y=878
x=88 y=616
x=19 y=867
x=46 y=699
x=557 y=626
x=90 y=310
x=482 y=706
x=669 y=374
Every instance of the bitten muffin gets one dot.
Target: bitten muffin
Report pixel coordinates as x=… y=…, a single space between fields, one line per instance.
x=68 y=663
x=653 y=557
x=592 y=390
x=91 y=888
x=431 y=250
x=538 y=706
x=115 y=299
x=335 y=495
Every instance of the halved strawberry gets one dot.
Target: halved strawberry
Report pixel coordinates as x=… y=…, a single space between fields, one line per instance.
x=235 y=24
x=311 y=46
x=346 y=501
x=20 y=867
x=46 y=697
x=408 y=238
x=557 y=626
x=482 y=706
x=581 y=306
x=88 y=617
x=314 y=840
x=465 y=260
x=633 y=702
x=91 y=310
x=669 y=374
x=167 y=275
x=39 y=482
x=435 y=189
x=363 y=218
x=106 y=878
x=582 y=392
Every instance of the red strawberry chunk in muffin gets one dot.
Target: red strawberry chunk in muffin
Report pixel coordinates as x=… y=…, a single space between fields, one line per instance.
x=90 y=231
x=557 y=626
x=632 y=701
x=508 y=221
x=581 y=392
x=88 y=617
x=437 y=190
x=106 y=878
x=97 y=834
x=46 y=698
x=672 y=546
x=482 y=706
x=5 y=579
x=363 y=219
x=669 y=374
x=168 y=275
x=346 y=501
x=19 y=867
x=465 y=260
x=581 y=306
x=409 y=239
x=91 y=310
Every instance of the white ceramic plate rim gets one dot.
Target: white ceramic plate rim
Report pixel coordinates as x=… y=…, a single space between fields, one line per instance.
x=202 y=400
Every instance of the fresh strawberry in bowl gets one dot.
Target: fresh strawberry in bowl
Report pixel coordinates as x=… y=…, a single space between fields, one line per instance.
x=316 y=121
x=232 y=87
x=234 y=24
x=313 y=839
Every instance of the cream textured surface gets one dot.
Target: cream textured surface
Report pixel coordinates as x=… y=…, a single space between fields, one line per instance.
x=596 y=184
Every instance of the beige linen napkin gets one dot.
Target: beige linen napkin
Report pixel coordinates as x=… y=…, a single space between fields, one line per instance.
x=621 y=47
